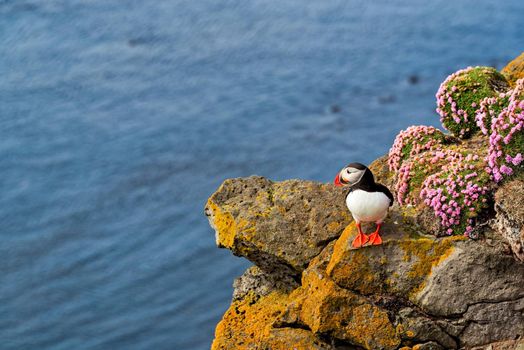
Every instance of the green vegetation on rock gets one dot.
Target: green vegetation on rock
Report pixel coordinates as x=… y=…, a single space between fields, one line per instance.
x=459 y=97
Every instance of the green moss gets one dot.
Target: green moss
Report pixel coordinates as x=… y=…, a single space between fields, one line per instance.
x=420 y=172
x=516 y=144
x=519 y=175
x=406 y=151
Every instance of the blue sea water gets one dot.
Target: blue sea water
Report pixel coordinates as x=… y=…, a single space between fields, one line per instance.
x=119 y=118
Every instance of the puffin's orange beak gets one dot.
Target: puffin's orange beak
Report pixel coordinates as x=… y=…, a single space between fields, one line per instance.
x=337 y=181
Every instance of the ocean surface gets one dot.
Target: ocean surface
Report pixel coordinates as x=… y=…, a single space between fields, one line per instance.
x=119 y=118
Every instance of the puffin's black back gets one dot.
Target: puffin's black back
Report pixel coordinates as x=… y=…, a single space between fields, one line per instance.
x=386 y=191
x=367 y=182
x=358 y=166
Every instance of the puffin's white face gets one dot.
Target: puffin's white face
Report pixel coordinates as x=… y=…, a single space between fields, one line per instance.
x=351 y=175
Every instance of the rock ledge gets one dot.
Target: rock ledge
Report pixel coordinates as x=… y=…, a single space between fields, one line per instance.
x=309 y=290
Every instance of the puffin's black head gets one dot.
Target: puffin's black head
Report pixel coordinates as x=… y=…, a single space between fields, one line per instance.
x=354 y=174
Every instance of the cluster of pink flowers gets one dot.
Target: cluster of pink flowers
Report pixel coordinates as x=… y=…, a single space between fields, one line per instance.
x=452 y=187
x=489 y=108
x=421 y=138
x=445 y=97
x=453 y=193
x=424 y=163
x=405 y=173
x=502 y=158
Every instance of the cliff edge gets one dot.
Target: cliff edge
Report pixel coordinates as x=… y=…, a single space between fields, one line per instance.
x=438 y=281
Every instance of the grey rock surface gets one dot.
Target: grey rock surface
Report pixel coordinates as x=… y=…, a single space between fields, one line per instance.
x=509 y=221
x=473 y=274
x=261 y=283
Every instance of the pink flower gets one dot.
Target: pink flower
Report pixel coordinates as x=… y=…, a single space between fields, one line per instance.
x=504 y=127
x=506 y=170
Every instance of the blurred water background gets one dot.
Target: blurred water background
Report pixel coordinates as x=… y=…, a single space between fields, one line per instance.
x=119 y=118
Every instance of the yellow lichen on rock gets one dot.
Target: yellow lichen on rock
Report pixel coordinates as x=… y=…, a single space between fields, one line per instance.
x=333 y=226
x=400 y=266
x=424 y=254
x=256 y=218
x=371 y=327
x=224 y=225
x=400 y=294
x=357 y=271
x=254 y=323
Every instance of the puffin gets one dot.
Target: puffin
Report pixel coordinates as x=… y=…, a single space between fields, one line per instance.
x=367 y=200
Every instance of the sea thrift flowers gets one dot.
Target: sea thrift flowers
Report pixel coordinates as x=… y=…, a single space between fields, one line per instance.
x=413 y=172
x=451 y=179
x=506 y=136
x=457 y=193
x=489 y=108
x=432 y=172
x=412 y=141
x=452 y=184
x=459 y=96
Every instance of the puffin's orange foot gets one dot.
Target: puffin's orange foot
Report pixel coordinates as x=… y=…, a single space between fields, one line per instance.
x=360 y=240
x=375 y=239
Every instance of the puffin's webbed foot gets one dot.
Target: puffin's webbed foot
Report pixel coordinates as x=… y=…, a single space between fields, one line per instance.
x=360 y=239
x=374 y=238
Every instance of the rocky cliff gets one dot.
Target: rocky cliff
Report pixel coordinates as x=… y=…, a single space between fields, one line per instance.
x=428 y=286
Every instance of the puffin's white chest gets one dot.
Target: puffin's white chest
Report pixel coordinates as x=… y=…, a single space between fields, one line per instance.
x=368 y=206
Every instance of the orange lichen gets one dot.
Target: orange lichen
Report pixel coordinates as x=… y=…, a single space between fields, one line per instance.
x=418 y=347
x=368 y=317
x=333 y=299
x=358 y=273
x=341 y=243
x=247 y=228
x=352 y=266
x=326 y=308
x=514 y=70
x=291 y=338
x=404 y=333
x=248 y=322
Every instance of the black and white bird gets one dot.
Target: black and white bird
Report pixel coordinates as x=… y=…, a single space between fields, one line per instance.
x=367 y=200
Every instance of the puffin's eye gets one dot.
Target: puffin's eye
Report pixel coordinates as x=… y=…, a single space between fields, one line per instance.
x=347 y=171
